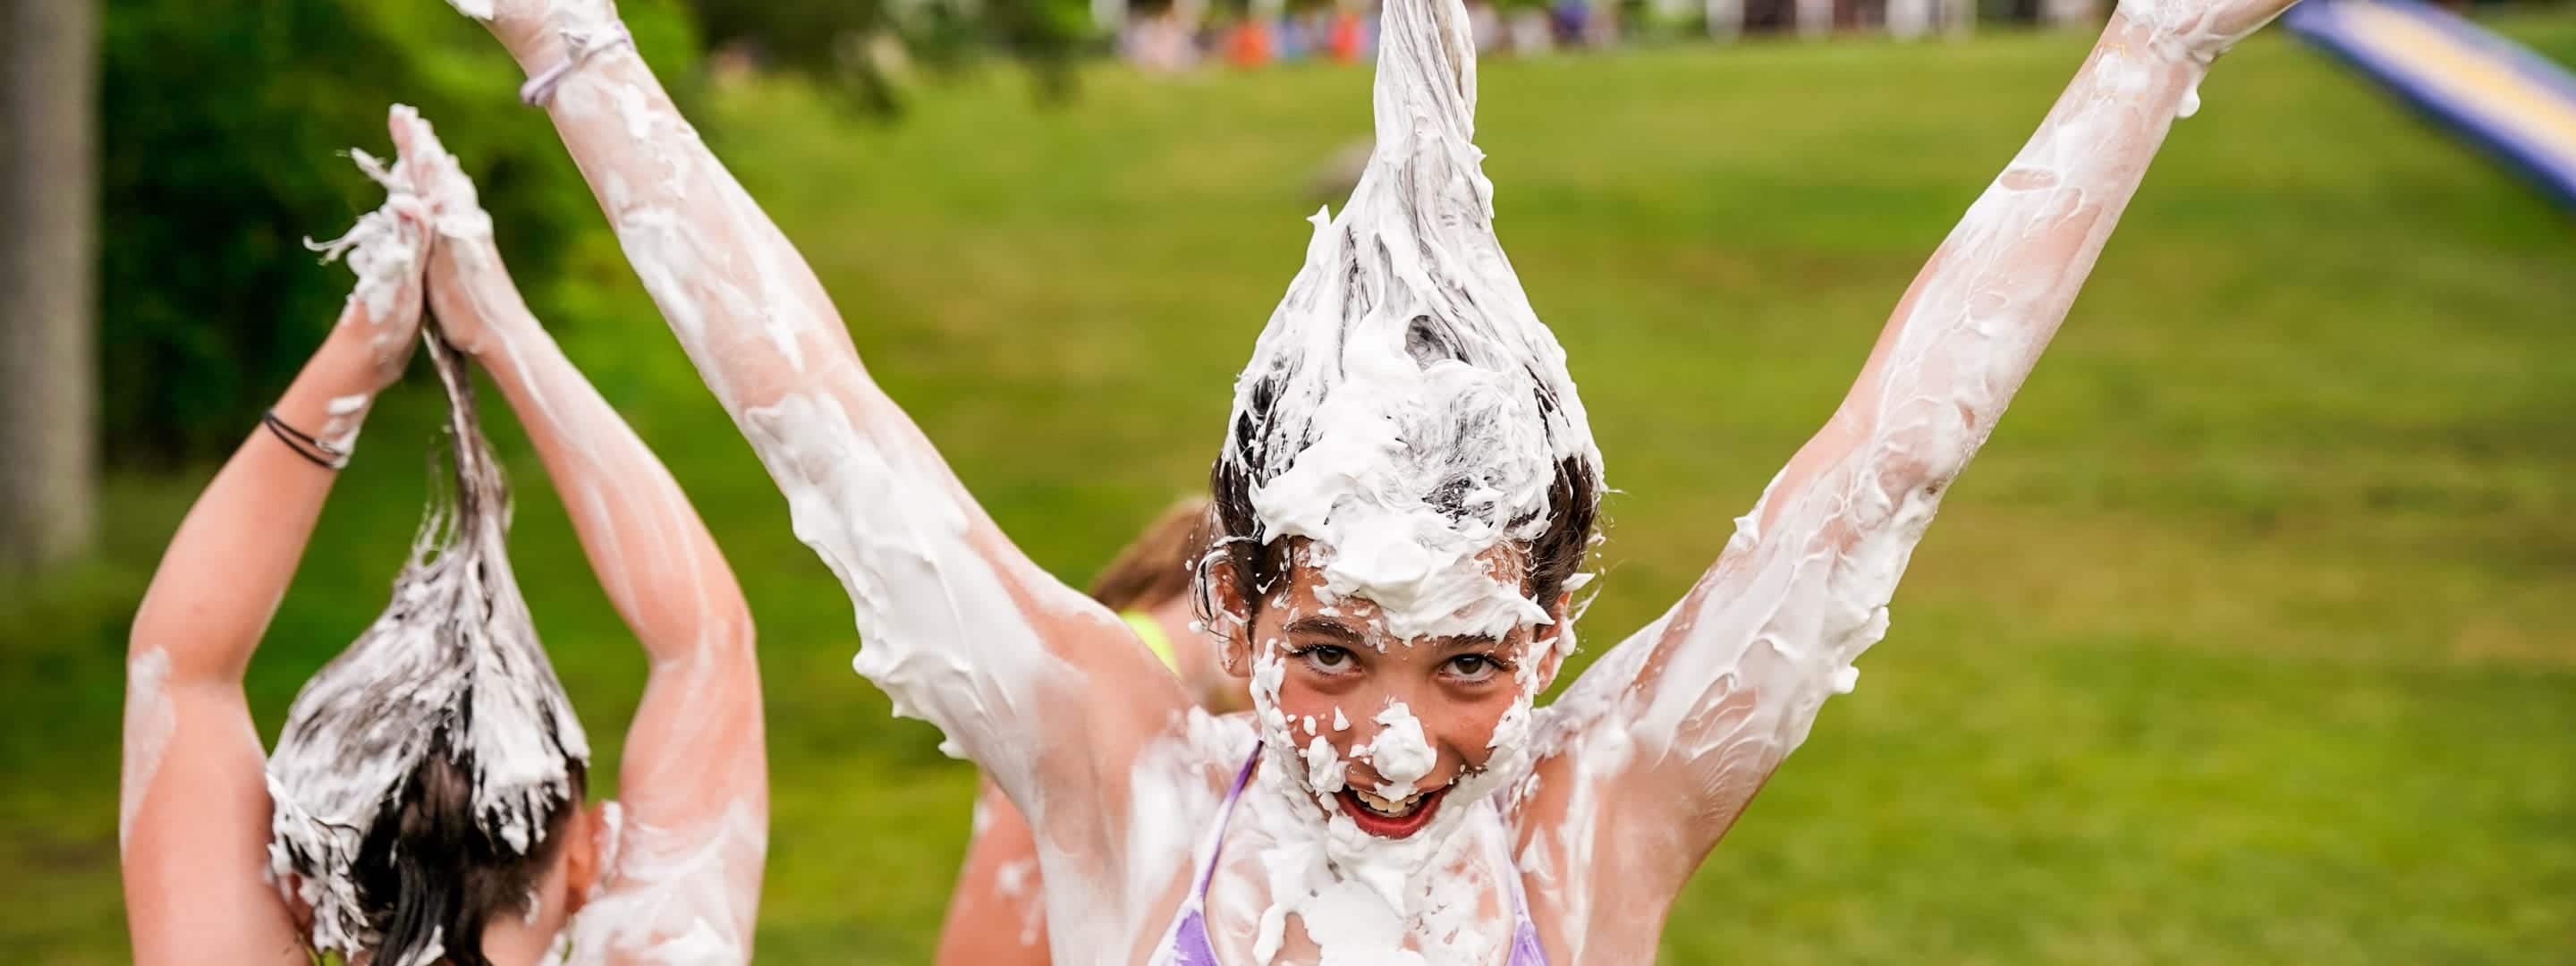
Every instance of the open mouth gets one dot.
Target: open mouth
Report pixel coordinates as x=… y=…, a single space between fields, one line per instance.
x=1392 y=819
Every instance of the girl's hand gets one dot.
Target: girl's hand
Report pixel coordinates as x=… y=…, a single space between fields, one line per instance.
x=382 y=320
x=469 y=292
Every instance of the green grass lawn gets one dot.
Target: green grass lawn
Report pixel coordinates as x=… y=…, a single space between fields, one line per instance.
x=2247 y=639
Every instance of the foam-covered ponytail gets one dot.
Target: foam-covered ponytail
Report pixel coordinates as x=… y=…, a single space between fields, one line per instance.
x=424 y=773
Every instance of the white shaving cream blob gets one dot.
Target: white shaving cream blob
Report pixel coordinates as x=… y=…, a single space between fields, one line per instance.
x=1401 y=755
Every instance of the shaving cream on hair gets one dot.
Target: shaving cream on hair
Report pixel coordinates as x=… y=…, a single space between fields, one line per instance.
x=1405 y=409
x=452 y=667
x=1407 y=413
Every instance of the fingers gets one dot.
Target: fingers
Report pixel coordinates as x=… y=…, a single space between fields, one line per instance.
x=399 y=121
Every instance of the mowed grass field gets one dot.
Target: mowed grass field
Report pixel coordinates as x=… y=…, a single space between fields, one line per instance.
x=2248 y=638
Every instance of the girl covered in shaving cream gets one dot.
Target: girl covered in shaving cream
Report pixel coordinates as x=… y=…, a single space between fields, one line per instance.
x=425 y=801
x=1405 y=491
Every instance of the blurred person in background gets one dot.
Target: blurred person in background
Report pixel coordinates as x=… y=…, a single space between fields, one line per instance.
x=996 y=916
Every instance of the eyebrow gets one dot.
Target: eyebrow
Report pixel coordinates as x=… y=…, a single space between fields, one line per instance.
x=1466 y=642
x=1322 y=626
x=1342 y=632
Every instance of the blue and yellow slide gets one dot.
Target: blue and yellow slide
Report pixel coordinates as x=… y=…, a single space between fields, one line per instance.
x=2515 y=103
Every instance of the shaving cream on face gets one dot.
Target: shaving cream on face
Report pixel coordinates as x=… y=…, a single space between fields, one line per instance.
x=1400 y=754
x=1299 y=875
x=1335 y=894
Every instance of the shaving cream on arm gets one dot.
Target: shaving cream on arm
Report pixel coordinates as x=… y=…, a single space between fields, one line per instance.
x=679 y=877
x=957 y=626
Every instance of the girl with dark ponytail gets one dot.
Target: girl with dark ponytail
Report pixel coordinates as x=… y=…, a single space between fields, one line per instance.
x=425 y=800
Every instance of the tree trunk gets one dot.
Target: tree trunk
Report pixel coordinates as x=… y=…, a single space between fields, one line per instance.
x=48 y=267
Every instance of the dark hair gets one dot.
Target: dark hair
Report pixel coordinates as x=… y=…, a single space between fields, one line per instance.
x=1159 y=565
x=380 y=791
x=1256 y=564
x=429 y=873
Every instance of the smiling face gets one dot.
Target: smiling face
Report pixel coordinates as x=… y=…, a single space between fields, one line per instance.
x=1387 y=726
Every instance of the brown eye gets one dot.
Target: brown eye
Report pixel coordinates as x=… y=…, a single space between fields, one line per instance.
x=1327 y=658
x=1473 y=667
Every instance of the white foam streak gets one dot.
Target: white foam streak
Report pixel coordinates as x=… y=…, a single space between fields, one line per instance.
x=1400 y=754
x=150 y=720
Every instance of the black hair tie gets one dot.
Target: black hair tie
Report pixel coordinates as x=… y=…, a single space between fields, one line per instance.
x=316 y=451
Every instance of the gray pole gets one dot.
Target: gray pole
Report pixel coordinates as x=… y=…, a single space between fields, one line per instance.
x=48 y=270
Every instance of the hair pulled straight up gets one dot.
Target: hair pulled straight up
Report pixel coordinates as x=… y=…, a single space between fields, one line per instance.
x=424 y=775
x=1405 y=410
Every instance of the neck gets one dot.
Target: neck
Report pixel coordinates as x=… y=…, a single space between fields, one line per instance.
x=514 y=940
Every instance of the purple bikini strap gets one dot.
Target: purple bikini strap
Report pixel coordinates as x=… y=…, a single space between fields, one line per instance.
x=1225 y=814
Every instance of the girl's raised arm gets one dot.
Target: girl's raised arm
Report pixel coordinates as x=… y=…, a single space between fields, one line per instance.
x=693 y=781
x=193 y=819
x=958 y=626
x=1706 y=701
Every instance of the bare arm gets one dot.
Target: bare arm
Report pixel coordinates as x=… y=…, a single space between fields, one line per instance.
x=194 y=810
x=693 y=781
x=1711 y=697
x=959 y=627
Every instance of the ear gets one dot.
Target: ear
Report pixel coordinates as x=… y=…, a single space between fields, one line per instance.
x=1231 y=619
x=585 y=848
x=1553 y=641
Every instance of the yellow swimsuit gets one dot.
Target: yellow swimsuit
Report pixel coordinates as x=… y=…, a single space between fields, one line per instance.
x=1150 y=631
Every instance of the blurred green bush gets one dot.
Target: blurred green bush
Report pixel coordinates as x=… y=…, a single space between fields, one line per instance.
x=223 y=135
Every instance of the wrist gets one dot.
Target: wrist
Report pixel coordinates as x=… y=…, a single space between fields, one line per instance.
x=323 y=412
x=332 y=393
x=544 y=40
x=344 y=364
x=2139 y=59
x=2169 y=33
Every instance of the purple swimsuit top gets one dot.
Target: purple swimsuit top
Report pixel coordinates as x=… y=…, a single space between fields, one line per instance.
x=1186 y=944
